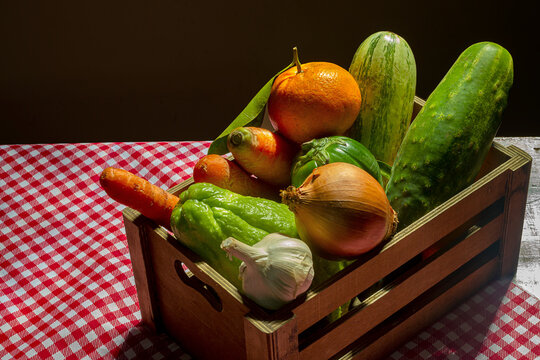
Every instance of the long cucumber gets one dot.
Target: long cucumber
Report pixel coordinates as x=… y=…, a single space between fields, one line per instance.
x=450 y=137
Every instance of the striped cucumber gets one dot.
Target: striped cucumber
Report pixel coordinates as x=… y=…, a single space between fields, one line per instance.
x=450 y=137
x=385 y=70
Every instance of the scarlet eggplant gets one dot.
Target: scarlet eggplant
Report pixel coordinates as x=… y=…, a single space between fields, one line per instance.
x=318 y=152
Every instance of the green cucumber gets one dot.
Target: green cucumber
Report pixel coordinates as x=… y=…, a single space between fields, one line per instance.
x=450 y=137
x=385 y=70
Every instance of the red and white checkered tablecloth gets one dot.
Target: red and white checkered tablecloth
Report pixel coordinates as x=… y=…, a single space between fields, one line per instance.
x=66 y=281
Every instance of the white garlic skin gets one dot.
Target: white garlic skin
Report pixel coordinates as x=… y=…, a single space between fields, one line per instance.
x=275 y=271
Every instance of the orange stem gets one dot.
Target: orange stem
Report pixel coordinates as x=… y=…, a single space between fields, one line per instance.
x=296 y=61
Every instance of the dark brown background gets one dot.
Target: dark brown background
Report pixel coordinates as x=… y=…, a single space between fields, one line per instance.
x=88 y=71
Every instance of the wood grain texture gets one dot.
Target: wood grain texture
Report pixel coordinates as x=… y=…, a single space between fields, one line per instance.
x=528 y=269
x=397 y=295
x=516 y=197
x=142 y=270
x=202 y=329
x=263 y=343
x=383 y=342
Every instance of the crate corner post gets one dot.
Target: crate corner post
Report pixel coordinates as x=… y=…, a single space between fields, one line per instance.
x=515 y=207
x=271 y=340
x=138 y=251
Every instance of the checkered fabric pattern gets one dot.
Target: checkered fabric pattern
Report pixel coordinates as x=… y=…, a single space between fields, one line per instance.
x=66 y=281
x=500 y=322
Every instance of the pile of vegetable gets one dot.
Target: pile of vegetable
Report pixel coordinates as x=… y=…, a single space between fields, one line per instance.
x=341 y=169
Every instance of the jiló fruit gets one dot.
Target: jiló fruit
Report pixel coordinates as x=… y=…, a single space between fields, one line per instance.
x=263 y=153
x=313 y=100
x=227 y=174
x=318 y=152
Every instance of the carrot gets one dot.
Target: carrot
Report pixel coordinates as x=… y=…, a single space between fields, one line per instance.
x=139 y=194
x=227 y=174
x=263 y=153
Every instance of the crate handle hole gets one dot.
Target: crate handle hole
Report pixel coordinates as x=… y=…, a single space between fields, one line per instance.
x=204 y=289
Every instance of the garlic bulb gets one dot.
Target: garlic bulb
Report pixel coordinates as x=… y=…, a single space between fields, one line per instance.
x=274 y=271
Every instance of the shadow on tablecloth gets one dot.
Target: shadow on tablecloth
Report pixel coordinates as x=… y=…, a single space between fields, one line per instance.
x=496 y=323
x=143 y=344
x=499 y=322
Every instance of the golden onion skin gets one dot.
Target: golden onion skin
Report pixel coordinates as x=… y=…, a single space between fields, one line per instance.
x=341 y=211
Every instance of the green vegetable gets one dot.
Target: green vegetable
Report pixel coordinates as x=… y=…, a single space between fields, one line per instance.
x=449 y=139
x=332 y=149
x=324 y=269
x=206 y=215
x=385 y=70
x=386 y=170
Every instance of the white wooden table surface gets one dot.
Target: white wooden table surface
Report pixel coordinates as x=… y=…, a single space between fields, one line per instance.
x=528 y=272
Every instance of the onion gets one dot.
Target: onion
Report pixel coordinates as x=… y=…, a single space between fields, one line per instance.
x=341 y=211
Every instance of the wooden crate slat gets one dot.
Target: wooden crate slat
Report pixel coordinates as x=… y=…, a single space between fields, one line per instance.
x=516 y=195
x=197 y=266
x=181 y=307
x=383 y=342
x=262 y=344
x=404 y=246
x=496 y=156
x=142 y=267
x=407 y=290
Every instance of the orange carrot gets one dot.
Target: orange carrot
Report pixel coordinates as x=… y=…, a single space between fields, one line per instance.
x=139 y=194
x=227 y=174
x=263 y=153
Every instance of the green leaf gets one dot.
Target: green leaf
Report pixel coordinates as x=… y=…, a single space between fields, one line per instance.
x=252 y=115
x=385 y=171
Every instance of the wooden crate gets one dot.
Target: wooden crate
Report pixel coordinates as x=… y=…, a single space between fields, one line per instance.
x=478 y=231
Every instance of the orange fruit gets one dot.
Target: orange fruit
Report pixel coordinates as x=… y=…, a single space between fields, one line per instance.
x=322 y=99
